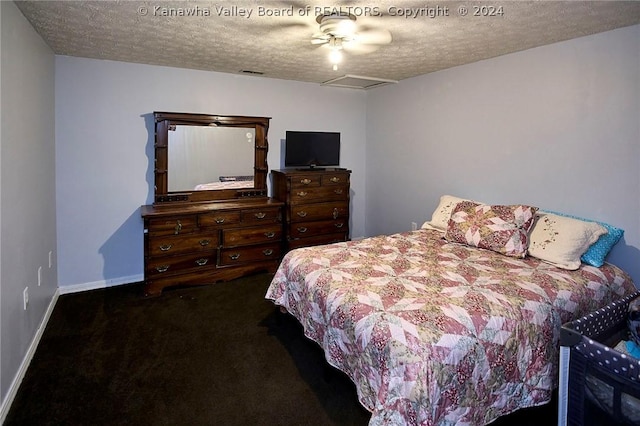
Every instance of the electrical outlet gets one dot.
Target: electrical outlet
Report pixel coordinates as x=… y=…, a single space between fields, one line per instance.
x=39 y=275
x=25 y=297
x=414 y=226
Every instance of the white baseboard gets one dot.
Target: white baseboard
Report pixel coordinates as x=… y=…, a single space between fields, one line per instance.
x=17 y=380
x=75 y=288
x=13 y=389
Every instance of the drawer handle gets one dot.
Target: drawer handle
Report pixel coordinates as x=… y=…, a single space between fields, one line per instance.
x=165 y=247
x=267 y=252
x=202 y=262
x=305 y=181
x=336 y=213
x=234 y=256
x=302 y=229
x=335 y=179
x=162 y=268
x=219 y=220
x=269 y=234
x=178 y=228
x=338 y=191
x=302 y=213
x=302 y=194
x=338 y=225
x=260 y=215
x=204 y=243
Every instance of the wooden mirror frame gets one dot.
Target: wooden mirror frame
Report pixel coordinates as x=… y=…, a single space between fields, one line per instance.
x=164 y=121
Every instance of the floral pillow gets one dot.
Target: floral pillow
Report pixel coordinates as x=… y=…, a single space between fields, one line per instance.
x=503 y=229
x=562 y=240
x=598 y=251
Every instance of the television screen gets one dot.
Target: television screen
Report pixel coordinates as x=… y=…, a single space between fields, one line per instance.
x=312 y=149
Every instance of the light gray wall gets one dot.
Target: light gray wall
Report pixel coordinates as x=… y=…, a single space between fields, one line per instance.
x=104 y=137
x=27 y=190
x=555 y=126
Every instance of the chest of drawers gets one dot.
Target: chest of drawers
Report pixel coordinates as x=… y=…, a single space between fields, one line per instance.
x=316 y=205
x=209 y=242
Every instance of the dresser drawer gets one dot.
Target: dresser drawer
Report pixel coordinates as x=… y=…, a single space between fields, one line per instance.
x=306 y=181
x=167 y=265
x=335 y=178
x=234 y=256
x=261 y=215
x=318 y=240
x=220 y=218
x=255 y=235
x=319 y=195
x=323 y=227
x=320 y=211
x=168 y=245
x=174 y=225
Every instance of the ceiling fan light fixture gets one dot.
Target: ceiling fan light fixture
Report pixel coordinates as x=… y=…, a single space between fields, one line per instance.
x=339 y=30
x=335 y=52
x=335 y=43
x=335 y=56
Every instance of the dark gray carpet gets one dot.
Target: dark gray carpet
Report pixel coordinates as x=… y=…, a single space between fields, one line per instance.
x=212 y=355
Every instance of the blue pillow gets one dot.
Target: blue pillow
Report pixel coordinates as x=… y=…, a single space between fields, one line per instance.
x=598 y=251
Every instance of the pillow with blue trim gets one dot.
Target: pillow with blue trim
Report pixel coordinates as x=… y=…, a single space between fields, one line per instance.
x=598 y=251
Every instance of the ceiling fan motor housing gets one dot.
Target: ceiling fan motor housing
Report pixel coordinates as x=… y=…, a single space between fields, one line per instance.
x=337 y=25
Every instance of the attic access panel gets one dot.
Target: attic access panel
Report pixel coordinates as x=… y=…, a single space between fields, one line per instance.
x=358 y=82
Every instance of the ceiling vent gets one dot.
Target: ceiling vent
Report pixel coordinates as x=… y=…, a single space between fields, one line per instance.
x=252 y=72
x=358 y=82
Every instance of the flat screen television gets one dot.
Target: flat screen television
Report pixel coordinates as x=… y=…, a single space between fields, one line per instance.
x=312 y=149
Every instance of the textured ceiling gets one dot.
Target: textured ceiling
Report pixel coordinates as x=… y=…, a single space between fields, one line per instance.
x=232 y=36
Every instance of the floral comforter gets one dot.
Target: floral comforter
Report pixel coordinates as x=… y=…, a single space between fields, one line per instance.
x=434 y=333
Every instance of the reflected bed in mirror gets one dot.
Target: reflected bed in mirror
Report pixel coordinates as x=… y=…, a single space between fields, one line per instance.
x=201 y=157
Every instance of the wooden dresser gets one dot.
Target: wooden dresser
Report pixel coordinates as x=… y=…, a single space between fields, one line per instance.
x=211 y=219
x=316 y=205
x=202 y=243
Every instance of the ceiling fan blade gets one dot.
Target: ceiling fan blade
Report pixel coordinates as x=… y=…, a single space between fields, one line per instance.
x=294 y=26
x=319 y=40
x=281 y=29
x=373 y=36
x=359 y=48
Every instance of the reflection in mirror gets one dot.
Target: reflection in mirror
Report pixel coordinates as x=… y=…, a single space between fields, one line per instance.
x=211 y=147
x=209 y=158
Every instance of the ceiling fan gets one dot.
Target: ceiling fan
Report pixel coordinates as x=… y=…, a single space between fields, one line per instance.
x=340 y=31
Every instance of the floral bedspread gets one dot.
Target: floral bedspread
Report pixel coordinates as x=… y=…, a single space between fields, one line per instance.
x=232 y=184
x=434 y=333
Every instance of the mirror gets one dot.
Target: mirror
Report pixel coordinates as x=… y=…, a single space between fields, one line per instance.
x=202 y=157
x=209 y=158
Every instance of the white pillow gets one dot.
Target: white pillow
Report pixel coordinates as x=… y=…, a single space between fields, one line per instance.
x=440 y=218
x=561 y=240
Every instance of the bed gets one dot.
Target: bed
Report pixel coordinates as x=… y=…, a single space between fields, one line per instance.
x=227 y=182
x=435 y=332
